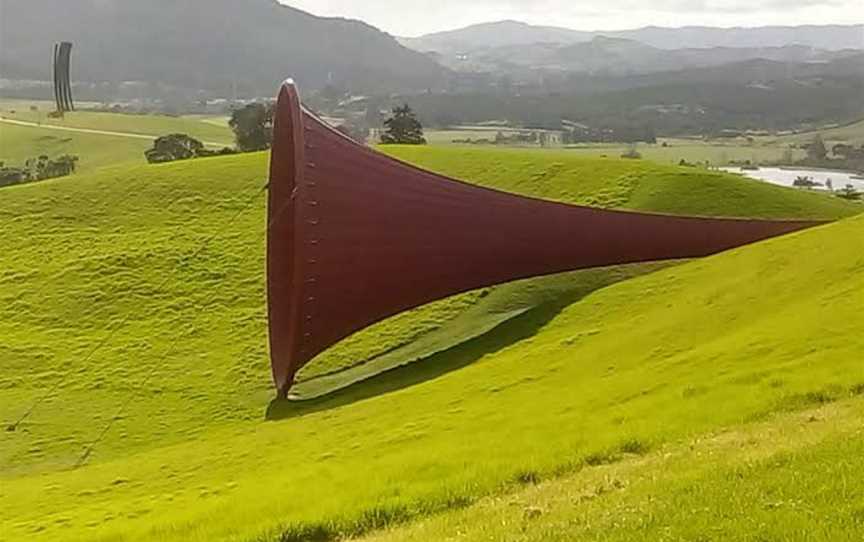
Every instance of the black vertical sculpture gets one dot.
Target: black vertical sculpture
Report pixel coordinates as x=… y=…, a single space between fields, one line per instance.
x=62 y=77
x=56 y=79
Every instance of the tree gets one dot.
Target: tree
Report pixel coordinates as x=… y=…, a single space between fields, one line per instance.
x=403 y=128
x=253 y=127
x=42 y=167
x=12 y=175
x=173 y=147
x=802 y=181
x=849 y=192
x=63 y=165
x=842 y=150
x=816 y=150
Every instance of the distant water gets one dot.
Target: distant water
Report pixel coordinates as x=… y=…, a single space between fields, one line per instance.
x=785 y=177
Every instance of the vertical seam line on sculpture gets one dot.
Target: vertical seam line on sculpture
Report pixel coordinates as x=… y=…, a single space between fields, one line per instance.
x=311 y=202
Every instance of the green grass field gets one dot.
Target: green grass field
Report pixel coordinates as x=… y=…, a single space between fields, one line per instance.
x=851 y=134
x=19 y=143
x=202 y=128
x=717 y=151
x=95 y=150
x=197 y=451
x=793 y=476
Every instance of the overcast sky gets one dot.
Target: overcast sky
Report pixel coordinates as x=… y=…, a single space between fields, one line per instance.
x=415 y=17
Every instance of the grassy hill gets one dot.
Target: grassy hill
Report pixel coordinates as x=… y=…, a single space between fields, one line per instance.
x=197 y=451
x=150 y=125
x=717 y=152
x=733 y=484
x=850 y=134
x=626 y=184
x=98 y=139
x=20 y=143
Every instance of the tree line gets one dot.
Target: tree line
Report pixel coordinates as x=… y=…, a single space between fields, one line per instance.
x=840 y=156
x=252 y=125
x=39 y=168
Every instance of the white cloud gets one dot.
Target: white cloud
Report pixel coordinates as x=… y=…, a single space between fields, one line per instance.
x=414 y=17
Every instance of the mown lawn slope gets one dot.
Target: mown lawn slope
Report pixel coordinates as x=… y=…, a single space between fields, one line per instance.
x=20 y=143
x=55 y=137
x=117 y=257
x=791 y=476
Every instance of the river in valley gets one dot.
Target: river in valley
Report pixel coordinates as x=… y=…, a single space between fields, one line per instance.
x=785 y=177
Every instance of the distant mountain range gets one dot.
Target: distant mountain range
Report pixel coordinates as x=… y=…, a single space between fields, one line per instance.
x=510 y=33
x=617 y=56
x=214 y=45
x=497 y=34
x=525 y=52
x=188 y=49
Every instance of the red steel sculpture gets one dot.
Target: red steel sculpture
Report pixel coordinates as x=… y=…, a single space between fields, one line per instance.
x=356 y=236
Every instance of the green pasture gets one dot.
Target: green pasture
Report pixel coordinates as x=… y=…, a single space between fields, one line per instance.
x=716 y=152
x=530 y=381
x=19 y=143
x=215 y=120
x=558 y=175
x=98 y=139
x=202 y=128
x=794 y=476
x=851 y=134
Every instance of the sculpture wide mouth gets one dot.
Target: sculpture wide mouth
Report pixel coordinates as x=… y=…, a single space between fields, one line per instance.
x=283 y=279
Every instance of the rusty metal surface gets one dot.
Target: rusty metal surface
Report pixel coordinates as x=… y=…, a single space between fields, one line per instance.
x=356 y=237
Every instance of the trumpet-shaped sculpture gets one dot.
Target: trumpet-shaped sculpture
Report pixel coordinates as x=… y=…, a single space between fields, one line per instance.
x=356 y=236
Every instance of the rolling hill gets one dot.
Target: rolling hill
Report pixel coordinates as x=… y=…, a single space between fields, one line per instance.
x=509 y=33
x=830 y=37
x=603 y=55
x=494 y=34
x=741 y=471
x=221 y=46
x=97 y=138
x=176 y=407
